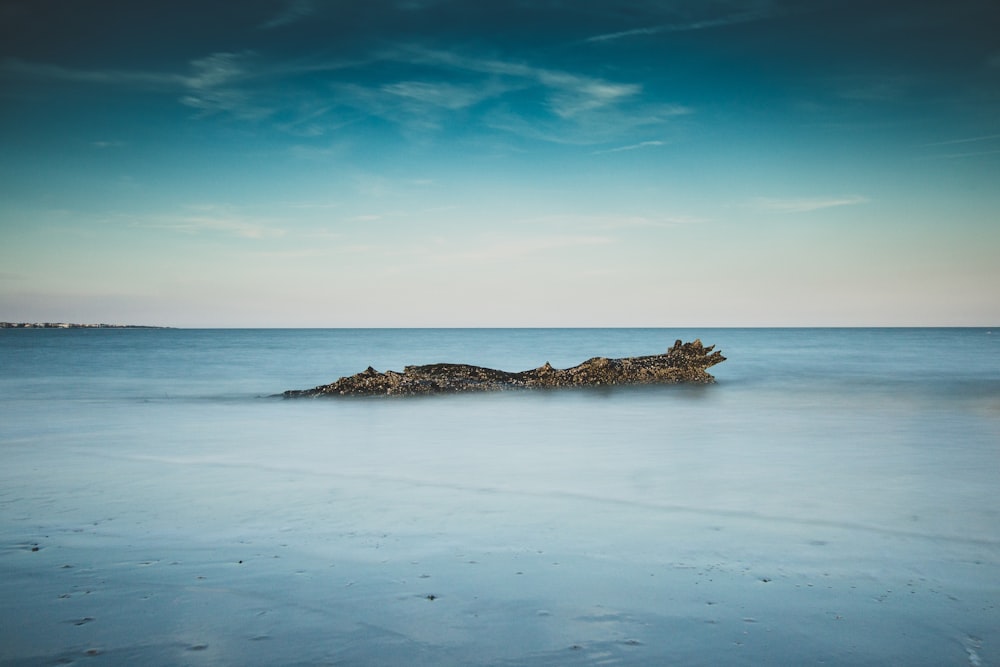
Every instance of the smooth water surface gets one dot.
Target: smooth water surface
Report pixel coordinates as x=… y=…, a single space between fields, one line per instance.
x=832 y=499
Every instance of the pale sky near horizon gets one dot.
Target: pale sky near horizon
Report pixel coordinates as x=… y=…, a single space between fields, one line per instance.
x=523 y=163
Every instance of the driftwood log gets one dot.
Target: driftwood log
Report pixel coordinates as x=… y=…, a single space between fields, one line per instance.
x=684 y=362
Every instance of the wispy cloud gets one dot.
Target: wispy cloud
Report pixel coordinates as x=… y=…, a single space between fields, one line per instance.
x=319 y=152
x=806 y=204
x=635 y=32
x=241 y=84
x=639 y=221
x=571 y=95
x=294 y=11
x=872 y=88
x=248 y=86
x=614 y=221
x=423 y=106
x=967 y=147
x=214 y=219
x=496 y=249
x=576 y=109
x=313 y=97
x=630 y=147
x=568 y=94
x=439 y=94
x=313 y=205
x=597 y=126
x=312 y=120
x=210 y=85
x=214 y=86
x=703 y=24
x=951 y=142
x=16 y=67
x=967 y=154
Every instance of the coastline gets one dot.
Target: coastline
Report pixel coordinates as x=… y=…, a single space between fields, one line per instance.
x=73 y=325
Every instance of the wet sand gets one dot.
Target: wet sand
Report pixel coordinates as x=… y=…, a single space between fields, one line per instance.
x=377 y=573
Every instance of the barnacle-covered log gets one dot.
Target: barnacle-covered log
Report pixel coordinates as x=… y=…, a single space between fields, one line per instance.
x=684 y=362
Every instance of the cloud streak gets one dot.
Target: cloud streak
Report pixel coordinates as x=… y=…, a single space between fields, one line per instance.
x=240 y=84
x=568 y=94
x=576 y=109
x=312 y=98
x=614 y=222
x=631 y=147
x=442 y=95
x=214 y=219
x=952 y=142
x=492 y=249
x=15 y=67
x=805 y=205
x=706 y=24
x=295 y=11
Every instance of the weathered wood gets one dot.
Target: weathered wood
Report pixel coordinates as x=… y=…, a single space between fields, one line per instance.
x=684 y=362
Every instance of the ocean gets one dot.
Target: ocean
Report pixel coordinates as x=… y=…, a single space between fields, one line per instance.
x=831 y=499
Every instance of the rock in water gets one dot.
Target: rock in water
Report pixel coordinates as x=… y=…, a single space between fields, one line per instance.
x=684 y=362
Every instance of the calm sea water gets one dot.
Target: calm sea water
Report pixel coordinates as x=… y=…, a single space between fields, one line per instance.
x=832 y=499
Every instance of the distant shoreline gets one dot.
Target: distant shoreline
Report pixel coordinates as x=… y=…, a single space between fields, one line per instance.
x=72 y=325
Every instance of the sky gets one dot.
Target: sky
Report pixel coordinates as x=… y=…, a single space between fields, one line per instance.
x=342 y=163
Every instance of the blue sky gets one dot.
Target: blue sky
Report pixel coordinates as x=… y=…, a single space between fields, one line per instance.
x=546 y=163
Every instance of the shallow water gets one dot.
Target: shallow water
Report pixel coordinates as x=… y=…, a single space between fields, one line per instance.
x=831 y=499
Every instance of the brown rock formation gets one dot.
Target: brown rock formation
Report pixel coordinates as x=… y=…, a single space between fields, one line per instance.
x=684 y=362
